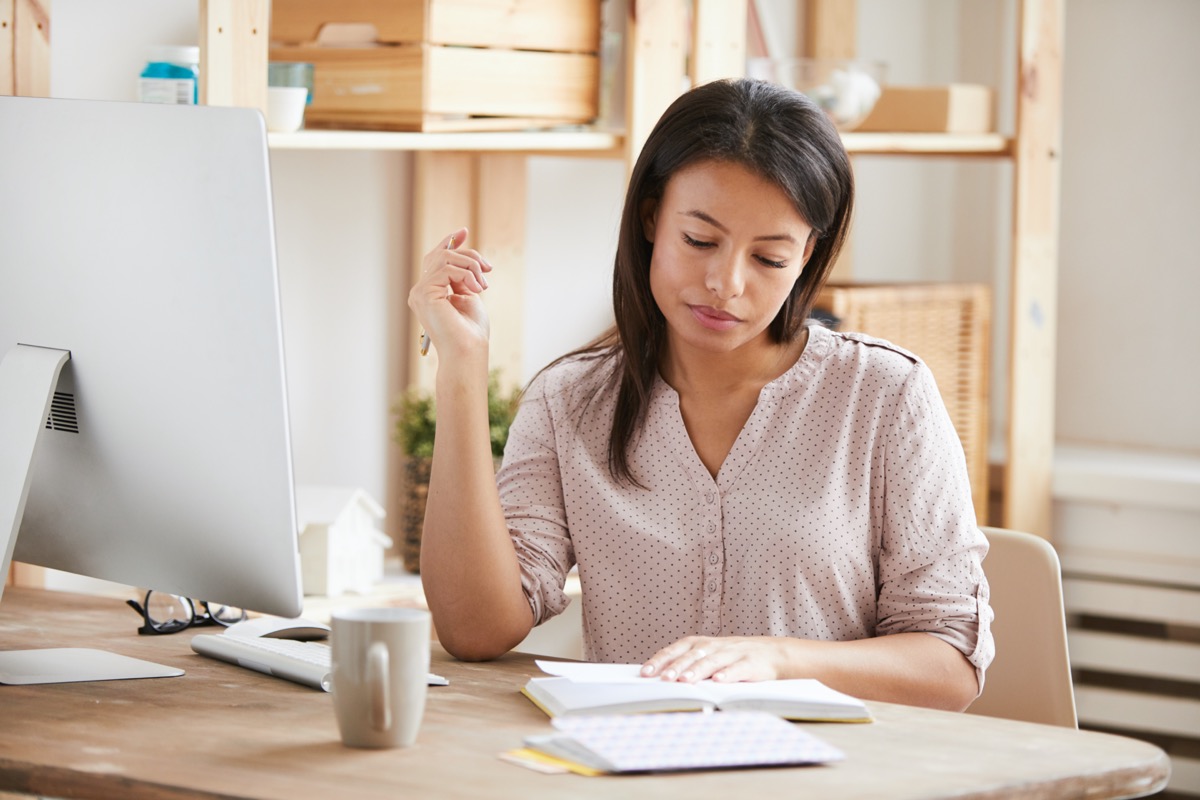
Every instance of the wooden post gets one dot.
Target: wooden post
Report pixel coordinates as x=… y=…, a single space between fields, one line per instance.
x=443 y=200
x=486 y=193
x=718 y=40
x=8 y=83
x=25 y=47
x=829 y=29
x=500 y=235
x=1034 y=308
x=234 y=36
x=656 y=49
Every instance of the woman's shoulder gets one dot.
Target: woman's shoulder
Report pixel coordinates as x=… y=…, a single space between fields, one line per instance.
x=843 y=348
x=859 y=361
x=579 y=375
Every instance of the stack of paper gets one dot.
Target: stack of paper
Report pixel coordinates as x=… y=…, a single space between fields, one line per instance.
x=681 y=741
x=587 y=689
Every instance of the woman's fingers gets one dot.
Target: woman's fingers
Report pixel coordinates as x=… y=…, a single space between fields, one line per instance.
x=454 y=270
x=467 y=268
x=726 y=659
x=449 y=268
x=446 y=297
x=675 y=659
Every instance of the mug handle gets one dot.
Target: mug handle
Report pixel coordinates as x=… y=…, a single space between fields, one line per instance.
x=380 y=715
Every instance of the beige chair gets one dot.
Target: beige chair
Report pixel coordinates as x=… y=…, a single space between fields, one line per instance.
x=1030 y=678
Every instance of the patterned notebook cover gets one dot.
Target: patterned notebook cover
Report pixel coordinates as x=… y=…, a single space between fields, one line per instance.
x=682 y=741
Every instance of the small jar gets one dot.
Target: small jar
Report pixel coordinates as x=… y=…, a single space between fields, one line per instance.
x=172 y=76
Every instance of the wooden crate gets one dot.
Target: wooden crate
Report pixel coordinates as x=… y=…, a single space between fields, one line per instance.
x=561 y=25
x=444 y=64
x=428 y=87
x=949 y=327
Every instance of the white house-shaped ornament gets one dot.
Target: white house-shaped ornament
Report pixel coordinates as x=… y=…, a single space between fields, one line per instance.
x=341 y=545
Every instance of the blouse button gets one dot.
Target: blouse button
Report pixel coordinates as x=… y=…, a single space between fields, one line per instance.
x=712 y=586
x=708 y=496
x=711 y=527
x=713 y=558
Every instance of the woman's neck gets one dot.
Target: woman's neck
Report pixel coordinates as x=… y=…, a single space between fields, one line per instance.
x=689 y=370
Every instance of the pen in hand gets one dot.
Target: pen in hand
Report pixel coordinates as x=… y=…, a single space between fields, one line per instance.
x=424 y=335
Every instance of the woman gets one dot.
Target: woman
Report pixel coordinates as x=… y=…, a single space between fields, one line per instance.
x=746 y=497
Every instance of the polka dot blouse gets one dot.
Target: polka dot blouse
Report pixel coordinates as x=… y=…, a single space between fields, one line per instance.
x=843 y=510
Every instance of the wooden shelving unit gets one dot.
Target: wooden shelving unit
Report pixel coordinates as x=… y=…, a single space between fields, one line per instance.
x=478 y=179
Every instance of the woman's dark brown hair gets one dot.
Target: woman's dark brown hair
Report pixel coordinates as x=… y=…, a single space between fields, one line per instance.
x=776 y=133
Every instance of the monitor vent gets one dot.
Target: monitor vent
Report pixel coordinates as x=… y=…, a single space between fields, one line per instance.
x=62 y=414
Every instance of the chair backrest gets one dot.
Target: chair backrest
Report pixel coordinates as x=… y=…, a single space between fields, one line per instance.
x=1030 y=678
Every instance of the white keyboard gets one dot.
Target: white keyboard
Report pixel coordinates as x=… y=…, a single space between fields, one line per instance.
x=303 y=662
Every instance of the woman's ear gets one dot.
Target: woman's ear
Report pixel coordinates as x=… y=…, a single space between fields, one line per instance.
x=649 y=214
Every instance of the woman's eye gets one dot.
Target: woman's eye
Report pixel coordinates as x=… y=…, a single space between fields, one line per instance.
x=773 y=264
x=700 y=244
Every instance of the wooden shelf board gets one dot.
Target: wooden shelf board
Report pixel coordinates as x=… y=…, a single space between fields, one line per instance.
x=992 y=144
x=608 y=144
x=586 y=142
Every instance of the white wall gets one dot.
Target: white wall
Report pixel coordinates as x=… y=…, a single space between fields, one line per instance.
x=1129 y=337
x=571 y=236
x=1131 y=188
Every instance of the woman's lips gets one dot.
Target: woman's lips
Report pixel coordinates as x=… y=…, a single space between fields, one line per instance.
x=713 y=318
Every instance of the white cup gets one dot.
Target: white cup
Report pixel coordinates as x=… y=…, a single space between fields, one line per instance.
x=285 y=108
x=380 y=674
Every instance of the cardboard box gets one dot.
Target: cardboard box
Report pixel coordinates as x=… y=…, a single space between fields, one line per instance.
x=444 y=64
x=956 y=108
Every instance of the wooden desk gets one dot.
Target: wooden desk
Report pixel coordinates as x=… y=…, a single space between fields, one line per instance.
x=223 y=731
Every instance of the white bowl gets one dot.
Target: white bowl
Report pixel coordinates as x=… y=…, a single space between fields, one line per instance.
x=285 y=108
x=846 y=89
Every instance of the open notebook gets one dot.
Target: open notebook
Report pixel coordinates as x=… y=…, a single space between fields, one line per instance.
x=587 y=689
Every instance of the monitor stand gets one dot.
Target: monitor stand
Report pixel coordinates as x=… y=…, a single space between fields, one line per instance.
x=28 y=376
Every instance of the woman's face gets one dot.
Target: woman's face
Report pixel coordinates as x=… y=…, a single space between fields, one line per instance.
x=728 y=247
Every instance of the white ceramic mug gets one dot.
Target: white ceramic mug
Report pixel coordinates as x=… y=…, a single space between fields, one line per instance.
x=380 y=674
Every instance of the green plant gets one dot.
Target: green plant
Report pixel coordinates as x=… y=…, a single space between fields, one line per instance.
x=416 y=419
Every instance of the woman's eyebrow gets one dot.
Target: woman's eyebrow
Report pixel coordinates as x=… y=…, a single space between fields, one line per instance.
x=700 y=215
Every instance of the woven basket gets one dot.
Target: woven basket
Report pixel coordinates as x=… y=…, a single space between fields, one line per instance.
x=949 y=327
x=415 y=490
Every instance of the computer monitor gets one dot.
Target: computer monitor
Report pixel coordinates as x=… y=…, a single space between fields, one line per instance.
x=144 y=431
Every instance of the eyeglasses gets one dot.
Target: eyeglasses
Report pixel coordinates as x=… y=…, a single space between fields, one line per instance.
x=170 y=613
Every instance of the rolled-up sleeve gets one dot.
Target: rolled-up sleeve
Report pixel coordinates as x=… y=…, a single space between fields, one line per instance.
x=531 y=496
x=930 y=564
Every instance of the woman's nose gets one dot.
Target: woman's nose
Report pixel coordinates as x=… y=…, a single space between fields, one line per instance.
x=726 y=276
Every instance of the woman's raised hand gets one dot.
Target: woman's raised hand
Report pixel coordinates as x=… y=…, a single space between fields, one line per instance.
x=446 y=298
